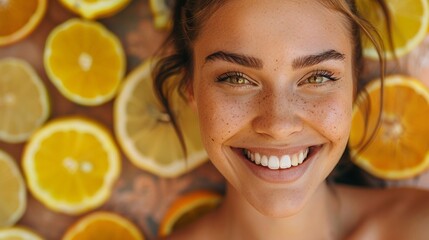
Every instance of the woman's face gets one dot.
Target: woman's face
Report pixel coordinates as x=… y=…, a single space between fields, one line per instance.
x=272 y=85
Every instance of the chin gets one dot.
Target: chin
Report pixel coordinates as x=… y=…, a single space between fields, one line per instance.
x=280 y=205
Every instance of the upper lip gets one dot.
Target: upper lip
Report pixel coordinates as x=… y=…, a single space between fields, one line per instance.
x=277 y=151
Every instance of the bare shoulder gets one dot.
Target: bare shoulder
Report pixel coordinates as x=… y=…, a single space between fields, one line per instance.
x=397 y=213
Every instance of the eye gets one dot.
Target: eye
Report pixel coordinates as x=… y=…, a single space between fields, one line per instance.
x=234 y=78
x=319 y=77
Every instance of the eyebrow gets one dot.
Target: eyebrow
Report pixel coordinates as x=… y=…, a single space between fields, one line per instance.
x=249 y=61
x=312 y=60
x=236 y=58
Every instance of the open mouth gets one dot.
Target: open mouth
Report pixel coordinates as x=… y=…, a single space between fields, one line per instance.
x=280 y=162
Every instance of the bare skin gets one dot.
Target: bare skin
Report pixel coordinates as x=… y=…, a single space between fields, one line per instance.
x=363 y=214
x=273 y=80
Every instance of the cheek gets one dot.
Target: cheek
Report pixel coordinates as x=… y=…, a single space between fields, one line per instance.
x=220 y=118
x=338 y=119
x=332 y=118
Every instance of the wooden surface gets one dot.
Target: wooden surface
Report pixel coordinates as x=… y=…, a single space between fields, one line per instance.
x=140 y=196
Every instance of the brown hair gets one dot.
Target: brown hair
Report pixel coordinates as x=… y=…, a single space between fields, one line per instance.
x=174 y=71
x=188 y=18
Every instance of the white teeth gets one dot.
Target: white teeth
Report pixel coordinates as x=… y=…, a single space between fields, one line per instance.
x=257 y=158
x=295 y=160
x=264 y=161
x=275 y=162
x=285 y=162
x=300 y=157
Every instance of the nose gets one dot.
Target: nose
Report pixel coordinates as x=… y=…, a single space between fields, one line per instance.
x=278 y=116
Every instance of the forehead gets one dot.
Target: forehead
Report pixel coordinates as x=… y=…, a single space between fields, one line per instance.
x=275 y=28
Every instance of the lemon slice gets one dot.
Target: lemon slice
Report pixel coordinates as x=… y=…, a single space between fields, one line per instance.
x=85 y=61
x=18 y=233
x=93 y=9
x=13 y=195
x=410 y=21
x=400 y=147
x=103 y=225
x=161 y=14
x=24 y=103
x=71 y=165
x=187 y=209
x=145 y=132
x=18 y=18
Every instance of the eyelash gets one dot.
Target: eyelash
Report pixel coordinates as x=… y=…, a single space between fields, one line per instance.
x=230 y=76
x=330 y=76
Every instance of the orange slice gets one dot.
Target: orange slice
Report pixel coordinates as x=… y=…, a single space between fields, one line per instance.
x=145 y=132
x=400 y=147
x=13 y=194
x=18 y=233
x=85 y=61
x=410 y=21
x=24 y=103
x=103 y=225
x=18 y=18
x=93 y=9
x=187 y=209
x=71 y=165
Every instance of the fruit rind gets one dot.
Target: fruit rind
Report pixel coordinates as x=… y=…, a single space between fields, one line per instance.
x=91 y=10
x=420 y=89
x=31 y=25
x=43 y=97
x=182 y=205
x=106 y=36
x=102 y=215
x=371 y=53
x=178 y=167
x=6 y=233
x=22 y=195
x=64 y=124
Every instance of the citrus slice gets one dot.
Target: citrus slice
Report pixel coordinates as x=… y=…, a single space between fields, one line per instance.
x=13 y=196
x=85 y=61
x=410 y=21
x=103 y=225
x=24 y=103
x=93 y=9
x=18 y=18
x=187 y=209
x=18 y=233
x=161 y=14
x=71 y=165
x=400 y=147
x=145 y=132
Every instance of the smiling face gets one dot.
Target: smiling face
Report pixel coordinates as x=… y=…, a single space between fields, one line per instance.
x=273 y=86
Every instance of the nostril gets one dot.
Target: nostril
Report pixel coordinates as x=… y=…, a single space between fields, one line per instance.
x=277 y=126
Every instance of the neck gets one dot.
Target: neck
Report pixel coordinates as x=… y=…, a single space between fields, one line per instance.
x=319 y=218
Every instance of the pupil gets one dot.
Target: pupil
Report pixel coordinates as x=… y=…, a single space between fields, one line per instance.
x=317 y=79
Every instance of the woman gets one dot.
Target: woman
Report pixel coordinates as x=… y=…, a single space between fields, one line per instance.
x=273 y=83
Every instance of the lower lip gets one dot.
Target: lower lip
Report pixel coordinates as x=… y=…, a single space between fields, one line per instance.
x=287 y=175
